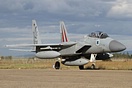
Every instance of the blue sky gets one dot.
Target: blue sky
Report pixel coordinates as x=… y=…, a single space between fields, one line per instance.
x=80 y=16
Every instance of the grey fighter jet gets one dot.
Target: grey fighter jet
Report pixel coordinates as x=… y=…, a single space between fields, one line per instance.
x=95 y=46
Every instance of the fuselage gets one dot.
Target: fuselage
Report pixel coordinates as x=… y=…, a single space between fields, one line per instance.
x=106 y=45
x=93 y=45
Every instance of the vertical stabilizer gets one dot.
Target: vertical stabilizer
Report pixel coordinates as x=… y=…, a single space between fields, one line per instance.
x=63 y=31
x=36 y=36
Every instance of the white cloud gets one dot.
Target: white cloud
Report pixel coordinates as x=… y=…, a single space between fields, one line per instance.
x=75 y=8
x=121 y=9
x=80 y=16
x=15 y=6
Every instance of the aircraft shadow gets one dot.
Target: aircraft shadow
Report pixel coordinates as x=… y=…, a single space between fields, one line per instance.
x=97 y=68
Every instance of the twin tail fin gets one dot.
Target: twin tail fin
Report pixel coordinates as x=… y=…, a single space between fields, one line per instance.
x=36 y=36
x=63 y=31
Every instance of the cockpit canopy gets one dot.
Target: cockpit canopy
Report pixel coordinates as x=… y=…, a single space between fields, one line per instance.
x=98 y=34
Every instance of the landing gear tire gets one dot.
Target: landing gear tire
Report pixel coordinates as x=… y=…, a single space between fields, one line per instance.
x=81 y=67
x=57 y=65
x=93 y=66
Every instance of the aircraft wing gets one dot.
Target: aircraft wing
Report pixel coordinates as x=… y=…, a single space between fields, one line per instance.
x=42 y=46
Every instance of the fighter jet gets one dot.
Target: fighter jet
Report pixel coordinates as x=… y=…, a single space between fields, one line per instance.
x=95 y=46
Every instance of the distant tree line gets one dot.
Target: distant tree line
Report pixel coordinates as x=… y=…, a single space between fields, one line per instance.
x=122 y=55
x=6 y=58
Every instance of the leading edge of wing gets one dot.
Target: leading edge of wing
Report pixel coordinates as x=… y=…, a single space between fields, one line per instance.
x=34 y=45
x=24 y=50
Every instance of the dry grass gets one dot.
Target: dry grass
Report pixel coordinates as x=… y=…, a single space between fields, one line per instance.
x=115 y=64
x=25 y=64
x=48 y=64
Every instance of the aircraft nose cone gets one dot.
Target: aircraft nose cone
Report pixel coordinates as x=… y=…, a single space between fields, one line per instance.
x=116 y=46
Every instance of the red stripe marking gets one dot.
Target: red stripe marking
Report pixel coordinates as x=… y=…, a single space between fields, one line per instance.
x=64 y=36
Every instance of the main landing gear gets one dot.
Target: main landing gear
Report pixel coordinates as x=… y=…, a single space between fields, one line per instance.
x=81 y=67
x=57 y=65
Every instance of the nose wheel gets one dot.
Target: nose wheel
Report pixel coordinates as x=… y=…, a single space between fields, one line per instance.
x=57 y=65
x=93 y=66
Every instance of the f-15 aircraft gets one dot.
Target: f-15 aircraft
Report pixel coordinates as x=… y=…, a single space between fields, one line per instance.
x=95 y=46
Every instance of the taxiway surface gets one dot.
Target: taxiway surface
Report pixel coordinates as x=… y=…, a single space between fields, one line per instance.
x=41 y=78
